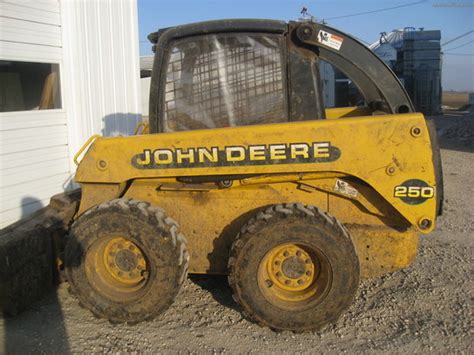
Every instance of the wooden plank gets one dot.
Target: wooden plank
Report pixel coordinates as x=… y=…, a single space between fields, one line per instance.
x=50 y=89
x=22 y=12
x=15 y=30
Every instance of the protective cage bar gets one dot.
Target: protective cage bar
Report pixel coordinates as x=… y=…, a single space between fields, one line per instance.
x=379 y=85
x=224 y=80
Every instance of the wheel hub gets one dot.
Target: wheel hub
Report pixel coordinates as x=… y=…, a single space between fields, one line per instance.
x=293 y=267
x=290 y=267
x=124 y=261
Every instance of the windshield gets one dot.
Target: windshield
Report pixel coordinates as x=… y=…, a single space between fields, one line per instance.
x=224 y=80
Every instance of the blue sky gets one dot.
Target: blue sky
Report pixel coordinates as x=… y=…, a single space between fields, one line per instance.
x=452 y=17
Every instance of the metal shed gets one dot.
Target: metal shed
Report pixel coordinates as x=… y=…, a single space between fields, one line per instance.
x=68 y=69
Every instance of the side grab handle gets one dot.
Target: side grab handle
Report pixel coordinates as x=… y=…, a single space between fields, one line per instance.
x=86 y=144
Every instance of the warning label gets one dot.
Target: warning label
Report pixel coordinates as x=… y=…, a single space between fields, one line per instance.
x=330 y=40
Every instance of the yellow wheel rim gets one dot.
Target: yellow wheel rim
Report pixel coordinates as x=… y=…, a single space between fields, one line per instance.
x=291 y=275
x=124 y=261
x=117 y=267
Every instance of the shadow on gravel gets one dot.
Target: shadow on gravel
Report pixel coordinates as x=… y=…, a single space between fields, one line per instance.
x=34 y=277
x=218 y=287
x=42 y=335
x=456 y=131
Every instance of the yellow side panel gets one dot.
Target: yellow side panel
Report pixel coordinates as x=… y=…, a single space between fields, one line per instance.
x=382 y=151
x=382 y=249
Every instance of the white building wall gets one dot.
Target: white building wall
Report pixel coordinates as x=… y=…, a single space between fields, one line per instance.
x=34 y=153
x=96 y=45
x=145 y=84
x=101 y=68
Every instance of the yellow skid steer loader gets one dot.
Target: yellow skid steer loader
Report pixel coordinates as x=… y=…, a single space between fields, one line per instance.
x=245 y=173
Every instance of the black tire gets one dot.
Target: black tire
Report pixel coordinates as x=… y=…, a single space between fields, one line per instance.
x=331 y=250
x=161 y=251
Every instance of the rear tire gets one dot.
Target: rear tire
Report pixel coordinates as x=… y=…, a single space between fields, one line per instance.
x=126 y=261
x=293 y=267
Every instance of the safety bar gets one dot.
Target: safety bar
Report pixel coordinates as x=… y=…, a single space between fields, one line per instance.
x=86 y=144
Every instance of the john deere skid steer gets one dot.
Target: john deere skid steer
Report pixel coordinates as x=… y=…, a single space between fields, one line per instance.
x=245 y=173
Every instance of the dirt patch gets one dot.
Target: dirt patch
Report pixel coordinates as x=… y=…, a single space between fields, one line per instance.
x=427 y=307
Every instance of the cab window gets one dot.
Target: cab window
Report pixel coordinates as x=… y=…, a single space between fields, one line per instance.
x=224 y=80
x=338 y=89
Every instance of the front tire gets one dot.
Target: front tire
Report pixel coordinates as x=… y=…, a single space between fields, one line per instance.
x=126 y=260
x=293 y=267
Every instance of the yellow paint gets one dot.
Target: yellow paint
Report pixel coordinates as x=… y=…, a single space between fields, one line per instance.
x=274 y=264
x=341 y=112
x=142 y=128
x=105 y=271
x=376 y=155
x=110 y=252
x=382 y=249
x=368 y=145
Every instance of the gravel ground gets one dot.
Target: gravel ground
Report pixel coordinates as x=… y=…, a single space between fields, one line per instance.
x=427 y=307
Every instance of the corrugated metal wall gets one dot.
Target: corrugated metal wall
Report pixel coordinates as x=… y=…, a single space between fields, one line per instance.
x=96 y=45
x=34 y=153
x=101 y=68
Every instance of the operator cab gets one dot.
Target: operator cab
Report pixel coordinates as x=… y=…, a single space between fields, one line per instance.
x=230 y=73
